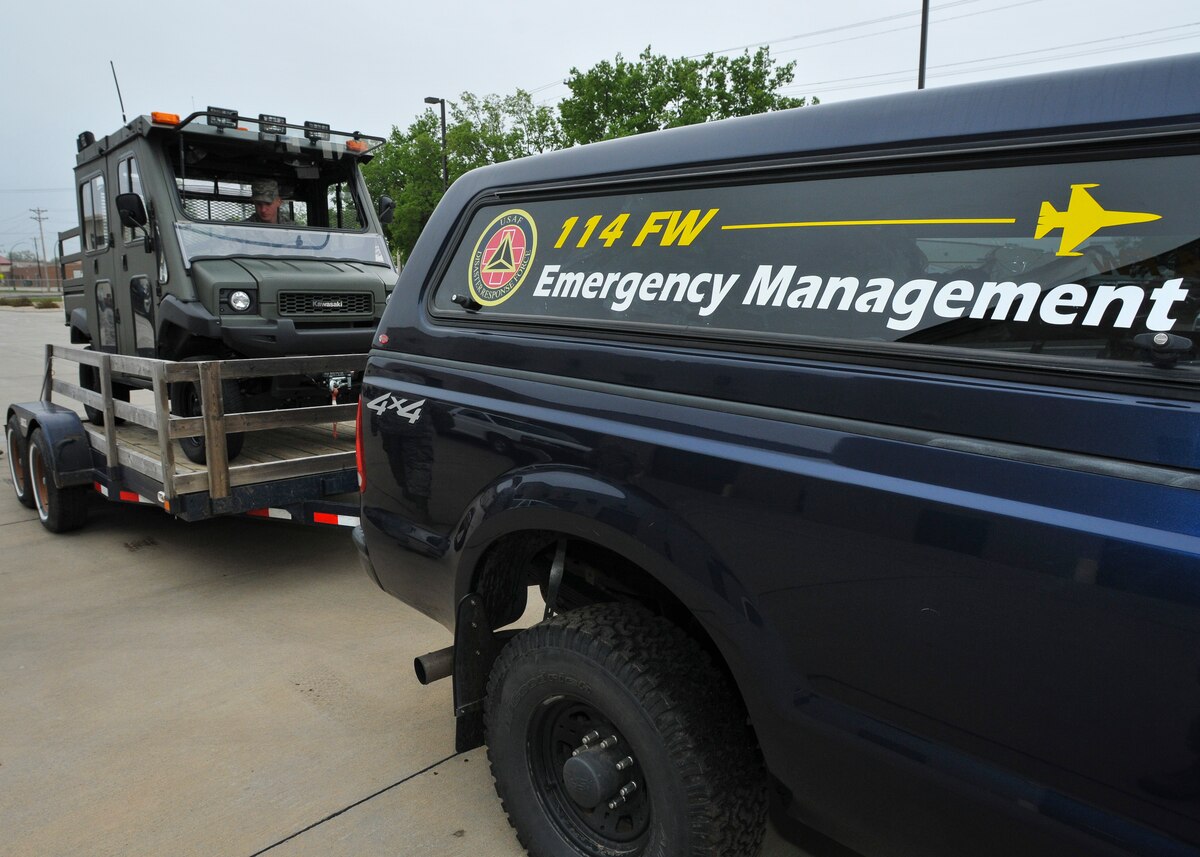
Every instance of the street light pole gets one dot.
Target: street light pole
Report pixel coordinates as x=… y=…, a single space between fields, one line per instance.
x=445 y=168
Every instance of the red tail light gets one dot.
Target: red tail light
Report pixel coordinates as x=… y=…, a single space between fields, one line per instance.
x=358 y=447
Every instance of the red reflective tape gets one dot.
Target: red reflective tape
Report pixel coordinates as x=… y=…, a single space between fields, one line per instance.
x=99 y=487
x=325 y=518
x=260 y=513
x=130 y=497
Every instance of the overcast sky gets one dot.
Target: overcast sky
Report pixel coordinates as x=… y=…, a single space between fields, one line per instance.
x=367 y=67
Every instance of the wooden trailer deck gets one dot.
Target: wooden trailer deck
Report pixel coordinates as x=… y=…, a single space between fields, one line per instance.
x=280 y=444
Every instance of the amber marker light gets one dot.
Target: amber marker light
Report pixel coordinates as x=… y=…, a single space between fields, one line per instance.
x=159 y=118
x=356 y=145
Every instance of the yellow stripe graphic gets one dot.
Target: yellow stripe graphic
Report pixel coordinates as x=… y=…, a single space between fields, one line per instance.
x=924 y=222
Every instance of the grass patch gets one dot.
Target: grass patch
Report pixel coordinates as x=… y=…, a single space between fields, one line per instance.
x=22 y=301
x=46 y=303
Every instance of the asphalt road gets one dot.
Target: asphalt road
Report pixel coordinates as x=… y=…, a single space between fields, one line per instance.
x=227 y=687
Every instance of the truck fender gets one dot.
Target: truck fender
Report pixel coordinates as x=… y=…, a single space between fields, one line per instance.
x=70 y=453
x=79 y=325
x=190 y=316
x=588 y=506
x=626 y=521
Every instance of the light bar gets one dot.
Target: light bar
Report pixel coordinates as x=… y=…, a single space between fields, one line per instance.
x=316 y=131
x=222 y=117
x=268 y=124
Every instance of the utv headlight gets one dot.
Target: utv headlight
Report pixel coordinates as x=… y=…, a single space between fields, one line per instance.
x=239 y=301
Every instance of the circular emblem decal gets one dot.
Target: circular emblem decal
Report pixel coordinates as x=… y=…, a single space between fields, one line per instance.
x=502 y=257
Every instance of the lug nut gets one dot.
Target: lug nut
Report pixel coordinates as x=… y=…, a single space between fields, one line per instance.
x=610 y=741
x=622 y=796
x=625 y=763
x=587 y=739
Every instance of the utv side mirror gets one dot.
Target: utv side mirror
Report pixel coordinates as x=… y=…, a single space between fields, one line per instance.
x=387 y=207
x=131 y=210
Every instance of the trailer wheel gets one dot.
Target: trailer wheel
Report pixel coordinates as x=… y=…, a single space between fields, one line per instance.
x=185 y=402
x=89 y=379
x=60 y=509
x=610 y=732
x=16 y=462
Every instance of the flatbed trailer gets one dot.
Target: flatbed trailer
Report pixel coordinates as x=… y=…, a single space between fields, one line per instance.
x=297 y=463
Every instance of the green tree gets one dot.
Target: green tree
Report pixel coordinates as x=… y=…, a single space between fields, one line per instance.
x=480 y=131
x=494 y=129
x=408 y=168
x=621 y=98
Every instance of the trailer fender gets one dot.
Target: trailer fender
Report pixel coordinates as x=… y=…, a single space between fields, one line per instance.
x=71 y=456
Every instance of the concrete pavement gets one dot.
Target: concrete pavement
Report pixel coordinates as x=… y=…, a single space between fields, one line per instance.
x=228 y=687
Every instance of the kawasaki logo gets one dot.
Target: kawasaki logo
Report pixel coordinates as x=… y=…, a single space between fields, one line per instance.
x=327 y=303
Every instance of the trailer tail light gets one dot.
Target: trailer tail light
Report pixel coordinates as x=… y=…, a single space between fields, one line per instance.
x=358 y=446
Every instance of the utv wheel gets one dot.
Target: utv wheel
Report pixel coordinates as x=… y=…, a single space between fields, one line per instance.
x=185 y=402
x=610 y=732
x=60 y=509
x=89 y=379
x=16 y=463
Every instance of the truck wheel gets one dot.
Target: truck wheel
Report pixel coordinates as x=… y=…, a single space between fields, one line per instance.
x=610 y=732
x=60 y=509
x=16 y=462
x=185 y=402
x=89 y=379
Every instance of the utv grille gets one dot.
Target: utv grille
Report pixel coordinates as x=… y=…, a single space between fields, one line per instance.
x=309 y=303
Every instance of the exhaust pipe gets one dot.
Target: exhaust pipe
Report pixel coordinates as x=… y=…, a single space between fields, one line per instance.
x=432 y=666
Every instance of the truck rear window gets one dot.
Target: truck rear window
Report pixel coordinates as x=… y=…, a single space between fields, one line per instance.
x=1061 y=260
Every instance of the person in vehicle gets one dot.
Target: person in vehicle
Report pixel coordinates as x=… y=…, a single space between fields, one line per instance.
x=264 y=193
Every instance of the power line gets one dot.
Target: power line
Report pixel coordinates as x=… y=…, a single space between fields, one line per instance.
x=839 y=28
x=905 y=27
x=873 y=79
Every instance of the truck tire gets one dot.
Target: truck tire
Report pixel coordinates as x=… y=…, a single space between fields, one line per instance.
x=606 y=718
x=16 y=463
x=185 y=402
x=89 y=379
x=60 y=509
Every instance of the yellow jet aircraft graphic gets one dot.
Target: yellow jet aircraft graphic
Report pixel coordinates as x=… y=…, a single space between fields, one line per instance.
x=1083 y=218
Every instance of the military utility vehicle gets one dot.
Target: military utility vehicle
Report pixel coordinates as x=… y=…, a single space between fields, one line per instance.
x=221 y=236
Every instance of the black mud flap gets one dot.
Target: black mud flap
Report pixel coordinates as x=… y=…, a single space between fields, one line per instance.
x=475 y=649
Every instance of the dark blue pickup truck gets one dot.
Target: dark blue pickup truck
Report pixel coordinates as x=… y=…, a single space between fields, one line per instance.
x=855 y=452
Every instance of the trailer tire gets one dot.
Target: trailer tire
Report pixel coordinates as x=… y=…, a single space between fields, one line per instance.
x=60 y=509
x=185 y=402
x=684 y=775
x=17 y=469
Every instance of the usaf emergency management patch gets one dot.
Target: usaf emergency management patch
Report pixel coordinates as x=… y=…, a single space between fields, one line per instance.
x=502 y=257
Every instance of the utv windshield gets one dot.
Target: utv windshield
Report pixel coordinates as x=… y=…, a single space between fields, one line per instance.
x=266 y=199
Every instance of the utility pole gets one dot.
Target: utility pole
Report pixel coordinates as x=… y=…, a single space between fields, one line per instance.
x=924 y=41
x=39 y=214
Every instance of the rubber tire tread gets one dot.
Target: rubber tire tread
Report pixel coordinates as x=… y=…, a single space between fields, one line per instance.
x=692 y=705
x=17 y=455
x=89 y=379
x=66 y=508
x=231 y=398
